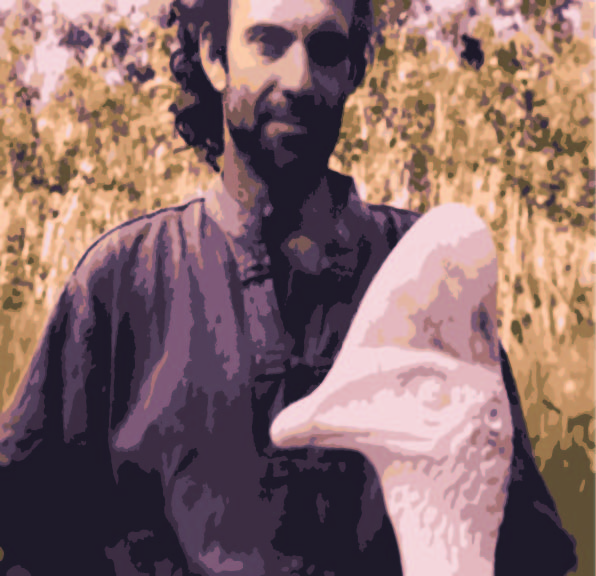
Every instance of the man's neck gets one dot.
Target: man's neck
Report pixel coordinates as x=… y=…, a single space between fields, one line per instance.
x=283 y=195
x=242 y=184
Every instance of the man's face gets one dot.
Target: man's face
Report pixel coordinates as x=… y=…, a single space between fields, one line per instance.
x=287 y=81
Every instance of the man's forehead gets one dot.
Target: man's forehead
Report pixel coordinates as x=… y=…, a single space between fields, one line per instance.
x=288 y=13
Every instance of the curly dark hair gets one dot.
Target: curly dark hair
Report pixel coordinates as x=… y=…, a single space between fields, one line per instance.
x=201 y=122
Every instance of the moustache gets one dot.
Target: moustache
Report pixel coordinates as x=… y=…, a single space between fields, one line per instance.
x=303 y=112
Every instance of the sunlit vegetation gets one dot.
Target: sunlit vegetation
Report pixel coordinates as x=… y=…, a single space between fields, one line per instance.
x=513 y=137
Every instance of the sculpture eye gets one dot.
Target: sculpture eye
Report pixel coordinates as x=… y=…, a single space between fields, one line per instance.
x=328 y=49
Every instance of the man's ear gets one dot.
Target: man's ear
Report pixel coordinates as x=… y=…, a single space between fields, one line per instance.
x=213 y=59
x=359 y=65
x=357 y=74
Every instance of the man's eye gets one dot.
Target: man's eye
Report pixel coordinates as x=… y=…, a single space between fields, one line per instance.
x=272 y=42
x=269 y=50
x=328 y=49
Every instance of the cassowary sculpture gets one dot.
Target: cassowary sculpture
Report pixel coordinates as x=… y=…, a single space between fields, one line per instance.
x=417 y=389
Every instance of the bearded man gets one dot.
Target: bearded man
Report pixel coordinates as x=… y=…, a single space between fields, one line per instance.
x=138 y=442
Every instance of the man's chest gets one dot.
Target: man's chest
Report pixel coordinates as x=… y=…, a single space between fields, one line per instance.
x=218 y=366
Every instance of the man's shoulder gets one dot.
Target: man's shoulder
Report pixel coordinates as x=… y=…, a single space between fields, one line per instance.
x=392 y=221
x=137 y=242
x=397 y=220
x=401 y=216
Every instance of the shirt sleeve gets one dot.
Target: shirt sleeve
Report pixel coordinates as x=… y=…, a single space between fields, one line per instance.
x=532 y=539
x=52 y=473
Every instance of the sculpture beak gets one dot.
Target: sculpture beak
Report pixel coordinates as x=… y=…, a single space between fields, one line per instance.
x=294 y=427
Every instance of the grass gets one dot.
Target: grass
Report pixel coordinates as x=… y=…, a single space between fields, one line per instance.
x=422 y=131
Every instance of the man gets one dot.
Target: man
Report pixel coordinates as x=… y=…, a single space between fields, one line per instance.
x=138 y=442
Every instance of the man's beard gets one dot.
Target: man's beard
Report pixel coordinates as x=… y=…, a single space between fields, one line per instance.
x=299 y=151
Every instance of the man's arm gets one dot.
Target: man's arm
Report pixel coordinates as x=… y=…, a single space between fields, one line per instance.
x=51 y=479
x=531 y=539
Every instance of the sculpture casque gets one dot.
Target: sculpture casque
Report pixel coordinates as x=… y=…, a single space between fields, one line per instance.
x=417 y=389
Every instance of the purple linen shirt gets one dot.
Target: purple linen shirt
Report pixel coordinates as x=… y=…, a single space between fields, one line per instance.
x=138 y=442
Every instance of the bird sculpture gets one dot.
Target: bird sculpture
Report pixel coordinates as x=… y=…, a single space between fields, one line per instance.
x=417 y=389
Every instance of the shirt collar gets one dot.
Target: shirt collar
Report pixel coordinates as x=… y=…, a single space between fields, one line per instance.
x=324 y=240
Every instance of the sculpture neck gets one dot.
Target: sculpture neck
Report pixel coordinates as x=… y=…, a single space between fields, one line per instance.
x=434 y=533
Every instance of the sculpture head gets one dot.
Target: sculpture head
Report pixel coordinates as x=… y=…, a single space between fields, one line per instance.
x=421 y=346
x=417 y=389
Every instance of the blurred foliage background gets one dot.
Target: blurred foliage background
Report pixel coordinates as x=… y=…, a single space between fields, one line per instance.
x=508 y=130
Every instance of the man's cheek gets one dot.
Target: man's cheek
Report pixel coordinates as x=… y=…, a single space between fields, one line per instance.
x=240 y=108
x=333 y=89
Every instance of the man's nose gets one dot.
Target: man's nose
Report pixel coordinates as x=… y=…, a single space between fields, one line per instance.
x=295 y=74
